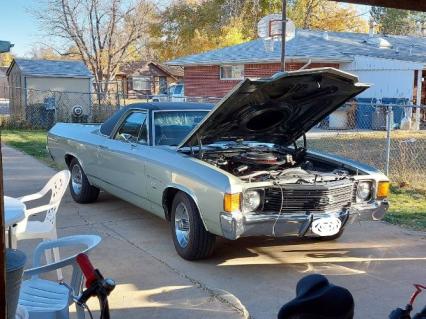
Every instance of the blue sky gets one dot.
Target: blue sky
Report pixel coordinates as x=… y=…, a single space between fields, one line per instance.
x=18 y=26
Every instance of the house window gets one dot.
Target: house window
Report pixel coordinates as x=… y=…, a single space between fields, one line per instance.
x=162 y=84
x=141 y=83
x=232 y=72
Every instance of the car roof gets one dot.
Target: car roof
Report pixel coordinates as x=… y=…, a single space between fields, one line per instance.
x=109 y=124
x=170 y=106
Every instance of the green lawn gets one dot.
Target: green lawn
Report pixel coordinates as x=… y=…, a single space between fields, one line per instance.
x=407 y=206
x=32 y=142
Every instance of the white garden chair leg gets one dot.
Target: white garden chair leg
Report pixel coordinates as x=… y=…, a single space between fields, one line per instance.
x=57 y=258
x=80 y=312
x=48 y=254
x=14 y=239
x=55 y=251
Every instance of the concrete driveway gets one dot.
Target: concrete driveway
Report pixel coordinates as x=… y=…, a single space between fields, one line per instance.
x=377 y=262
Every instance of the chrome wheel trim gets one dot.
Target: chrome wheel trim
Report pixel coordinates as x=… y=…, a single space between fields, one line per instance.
x=182 y=225
x=76 y=179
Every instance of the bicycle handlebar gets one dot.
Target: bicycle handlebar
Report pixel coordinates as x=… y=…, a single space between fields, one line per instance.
x=96 y=285
x=87 y=269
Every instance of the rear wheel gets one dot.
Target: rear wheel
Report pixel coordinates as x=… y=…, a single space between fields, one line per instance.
x=81 y=191
x=191 y=240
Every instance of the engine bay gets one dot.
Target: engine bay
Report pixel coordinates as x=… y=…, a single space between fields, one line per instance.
x=264 y=164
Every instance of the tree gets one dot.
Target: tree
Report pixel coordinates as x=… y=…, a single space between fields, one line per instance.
x=393 y=21
x=103 y=32
x=44 y=53
x=5 y=59
x=188 y=27
x=325 y=15
x=419 y=23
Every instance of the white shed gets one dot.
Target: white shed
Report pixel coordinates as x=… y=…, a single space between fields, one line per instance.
x=45 y=88
x=390 y=78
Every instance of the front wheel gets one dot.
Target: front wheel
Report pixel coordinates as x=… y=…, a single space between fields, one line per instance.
x=191 y=240
x=81 y=191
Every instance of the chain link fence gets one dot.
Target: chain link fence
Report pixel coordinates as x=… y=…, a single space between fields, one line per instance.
x=389 y=135
x=41 y=109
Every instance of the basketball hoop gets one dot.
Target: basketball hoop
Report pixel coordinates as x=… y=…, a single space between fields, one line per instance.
x=275 y=28
x=271 y=27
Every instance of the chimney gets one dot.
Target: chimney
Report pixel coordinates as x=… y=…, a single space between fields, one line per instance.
x=371 y=28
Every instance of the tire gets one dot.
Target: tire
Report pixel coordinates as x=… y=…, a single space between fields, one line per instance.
x=81 y=191
x=191 y=240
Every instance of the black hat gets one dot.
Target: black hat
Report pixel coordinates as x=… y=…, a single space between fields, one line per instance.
x=316 y=298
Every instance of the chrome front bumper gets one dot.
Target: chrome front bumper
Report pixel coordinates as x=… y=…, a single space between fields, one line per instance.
x=238 y=224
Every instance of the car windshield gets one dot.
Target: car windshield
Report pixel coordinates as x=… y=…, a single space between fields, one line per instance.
x=170 y=127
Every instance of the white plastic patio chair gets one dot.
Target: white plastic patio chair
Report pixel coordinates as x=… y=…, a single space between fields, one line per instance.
x=46 y=229
x=45 y=299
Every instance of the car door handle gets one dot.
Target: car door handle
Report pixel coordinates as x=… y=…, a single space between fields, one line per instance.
x=103 y=147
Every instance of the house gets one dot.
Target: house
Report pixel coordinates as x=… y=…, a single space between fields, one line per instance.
x=34 y=87
x=5 y=46
x=391 y=63
x=3 y=82
x=142 y=78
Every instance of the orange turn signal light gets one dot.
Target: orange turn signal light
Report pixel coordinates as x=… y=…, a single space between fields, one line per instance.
x=232 y=202
x=383 y=190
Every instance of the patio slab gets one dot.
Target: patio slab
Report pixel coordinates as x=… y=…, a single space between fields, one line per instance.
x=146 y=286
x=376 y=261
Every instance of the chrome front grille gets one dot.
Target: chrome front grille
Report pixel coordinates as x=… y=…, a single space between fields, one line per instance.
x=327 y=197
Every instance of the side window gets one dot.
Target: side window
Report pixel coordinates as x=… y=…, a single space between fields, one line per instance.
x=133 y=129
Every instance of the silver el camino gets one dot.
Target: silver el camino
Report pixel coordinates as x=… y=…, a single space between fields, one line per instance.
x=240 y=168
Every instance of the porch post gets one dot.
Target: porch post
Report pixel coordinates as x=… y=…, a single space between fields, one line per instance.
x=418 y=98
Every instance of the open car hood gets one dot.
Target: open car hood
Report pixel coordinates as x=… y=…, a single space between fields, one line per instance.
x=278 y=110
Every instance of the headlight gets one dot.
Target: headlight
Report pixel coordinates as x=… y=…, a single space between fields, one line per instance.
x=363 y=191
x=251 y=201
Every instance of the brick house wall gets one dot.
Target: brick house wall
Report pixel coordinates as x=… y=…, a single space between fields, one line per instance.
x=204 y=81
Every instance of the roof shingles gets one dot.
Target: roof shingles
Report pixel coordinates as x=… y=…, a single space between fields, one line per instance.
x=53 y=68
x=311 y=44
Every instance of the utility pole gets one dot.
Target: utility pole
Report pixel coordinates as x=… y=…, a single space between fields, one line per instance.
x=284 y=21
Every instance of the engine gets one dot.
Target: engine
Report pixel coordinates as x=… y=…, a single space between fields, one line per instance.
x=260 y=165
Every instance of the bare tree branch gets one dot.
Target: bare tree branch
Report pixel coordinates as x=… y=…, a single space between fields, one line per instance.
x=103 y=31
